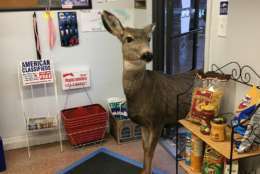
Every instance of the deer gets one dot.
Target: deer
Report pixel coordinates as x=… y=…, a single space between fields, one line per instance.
x=150 y=95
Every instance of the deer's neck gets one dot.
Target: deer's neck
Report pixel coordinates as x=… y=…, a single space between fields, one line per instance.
x=133 y=76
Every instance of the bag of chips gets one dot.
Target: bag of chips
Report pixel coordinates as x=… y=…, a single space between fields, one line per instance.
x=213 y=162
x=205 y=106
x=252 y=135
x=246 y=109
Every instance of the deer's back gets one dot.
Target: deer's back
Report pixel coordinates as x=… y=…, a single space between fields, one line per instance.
x=157 y=98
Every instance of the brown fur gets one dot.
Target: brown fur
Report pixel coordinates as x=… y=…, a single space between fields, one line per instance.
x=151 y=96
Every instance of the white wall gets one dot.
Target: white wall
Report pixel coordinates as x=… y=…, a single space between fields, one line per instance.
x=242 y=38
x=100 y=51
x=242 y=41
x=215 y=45
x=242 y=44
x=144 y=16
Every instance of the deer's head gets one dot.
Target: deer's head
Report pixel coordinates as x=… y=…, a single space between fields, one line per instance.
x=135 y=42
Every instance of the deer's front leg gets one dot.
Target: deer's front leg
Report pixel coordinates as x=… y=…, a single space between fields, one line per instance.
x=150 y=137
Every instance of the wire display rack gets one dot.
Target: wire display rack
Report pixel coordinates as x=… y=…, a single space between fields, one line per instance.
x=242 y=74
x=31 y=93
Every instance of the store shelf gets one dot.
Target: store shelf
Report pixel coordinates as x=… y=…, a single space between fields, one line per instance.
x=186 y=168
x=222 y=147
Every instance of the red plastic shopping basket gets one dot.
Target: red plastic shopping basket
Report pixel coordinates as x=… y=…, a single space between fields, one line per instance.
x=85 y=124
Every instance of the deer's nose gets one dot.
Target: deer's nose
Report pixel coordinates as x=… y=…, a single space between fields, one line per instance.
x=147 y=56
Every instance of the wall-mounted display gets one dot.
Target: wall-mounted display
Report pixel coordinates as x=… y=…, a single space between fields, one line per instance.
x=25 y=5
x=68 y=26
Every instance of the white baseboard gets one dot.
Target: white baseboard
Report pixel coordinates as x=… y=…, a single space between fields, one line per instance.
x=21 y=142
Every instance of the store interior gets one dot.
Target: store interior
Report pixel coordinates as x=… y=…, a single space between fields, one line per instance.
x=76 y=98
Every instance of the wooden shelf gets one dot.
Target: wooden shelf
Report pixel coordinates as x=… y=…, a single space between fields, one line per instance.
x=222 y=147
x=186 y=168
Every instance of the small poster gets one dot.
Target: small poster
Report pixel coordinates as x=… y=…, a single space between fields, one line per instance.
x=91 y=21
x=68 y=26
x=75 y=79
x=71 y=3
x=223 y=8
x=36 y=72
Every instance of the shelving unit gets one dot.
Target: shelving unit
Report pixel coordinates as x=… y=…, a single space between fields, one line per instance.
x=221 y=147
x=244 y=75
x=28 y=84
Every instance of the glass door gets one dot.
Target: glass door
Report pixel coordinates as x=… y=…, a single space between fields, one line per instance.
x=185 y=35
x=180 y=35
x=179 y=42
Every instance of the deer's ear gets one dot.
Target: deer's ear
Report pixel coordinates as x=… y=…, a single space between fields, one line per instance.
x=149 y=28
x=112 y=24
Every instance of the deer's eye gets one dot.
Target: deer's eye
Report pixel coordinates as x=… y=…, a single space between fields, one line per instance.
x=129 y=39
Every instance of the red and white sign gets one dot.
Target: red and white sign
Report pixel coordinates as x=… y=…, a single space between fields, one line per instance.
x=75 y=79
x=36 y=72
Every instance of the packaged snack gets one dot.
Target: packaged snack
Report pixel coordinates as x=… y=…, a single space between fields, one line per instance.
x=212 y=162
x=252 y=98
x=205 y=106
x=252 y=134
x=246 y=109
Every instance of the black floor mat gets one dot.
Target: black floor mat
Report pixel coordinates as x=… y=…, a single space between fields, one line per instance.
x=103 y=163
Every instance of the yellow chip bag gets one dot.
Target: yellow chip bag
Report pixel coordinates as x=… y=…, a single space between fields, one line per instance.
x=205 y=104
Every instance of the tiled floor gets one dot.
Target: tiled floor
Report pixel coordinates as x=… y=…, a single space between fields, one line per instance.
x=47 y=159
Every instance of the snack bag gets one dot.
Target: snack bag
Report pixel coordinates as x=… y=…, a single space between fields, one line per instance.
x=252 y=134
x=246 y=109
x=205 y=106
x=213 y=162
x=252 y=98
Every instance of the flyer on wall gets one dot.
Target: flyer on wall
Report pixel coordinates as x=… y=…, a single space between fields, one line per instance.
x=35 y=72
x=78 y=3
x=76 y=78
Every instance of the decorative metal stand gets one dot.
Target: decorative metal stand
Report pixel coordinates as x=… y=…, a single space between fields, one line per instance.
x=244 y=75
